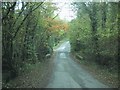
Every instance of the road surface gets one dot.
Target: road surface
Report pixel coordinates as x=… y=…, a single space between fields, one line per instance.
x=68 y=74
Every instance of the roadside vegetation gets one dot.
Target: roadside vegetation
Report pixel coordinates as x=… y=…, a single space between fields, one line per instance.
x=94 y=38
x=29 y=33
x=32 y=30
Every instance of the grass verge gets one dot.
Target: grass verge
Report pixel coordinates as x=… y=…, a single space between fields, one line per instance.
x=102 y=74
x=34 y=76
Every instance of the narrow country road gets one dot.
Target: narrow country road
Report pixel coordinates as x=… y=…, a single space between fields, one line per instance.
x=68 y=74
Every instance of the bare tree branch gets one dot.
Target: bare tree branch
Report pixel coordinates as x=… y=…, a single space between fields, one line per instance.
x=9 y=10
x=30 y=11
x=22 y=9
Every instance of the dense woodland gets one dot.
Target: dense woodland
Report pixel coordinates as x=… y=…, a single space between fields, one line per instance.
x=29 y=33
x=94 y=33
x=31 y=30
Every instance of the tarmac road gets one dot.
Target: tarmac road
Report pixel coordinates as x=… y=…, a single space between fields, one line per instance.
x=68 y=74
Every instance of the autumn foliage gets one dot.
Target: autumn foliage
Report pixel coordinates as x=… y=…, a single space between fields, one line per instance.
x=56 y=25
